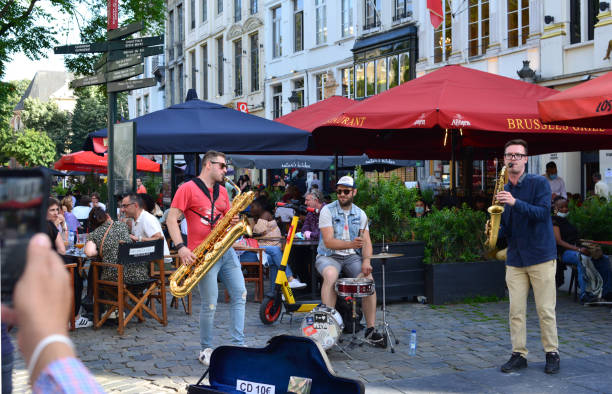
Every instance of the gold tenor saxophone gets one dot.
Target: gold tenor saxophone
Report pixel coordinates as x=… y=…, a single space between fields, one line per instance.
x=495 y=210
x=221 y=238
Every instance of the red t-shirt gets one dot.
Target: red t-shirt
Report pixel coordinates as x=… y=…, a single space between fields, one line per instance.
x=190 y=197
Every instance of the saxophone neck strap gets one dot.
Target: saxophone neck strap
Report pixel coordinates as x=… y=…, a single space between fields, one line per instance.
x=213 y=219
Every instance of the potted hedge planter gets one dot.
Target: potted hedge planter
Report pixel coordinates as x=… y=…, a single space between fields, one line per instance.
x=455 y=268
x=404 y=276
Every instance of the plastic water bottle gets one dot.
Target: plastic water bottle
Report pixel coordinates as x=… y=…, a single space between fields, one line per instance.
x=413 y=343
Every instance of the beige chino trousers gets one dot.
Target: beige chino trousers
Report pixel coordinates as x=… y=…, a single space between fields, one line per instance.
x=541 y=277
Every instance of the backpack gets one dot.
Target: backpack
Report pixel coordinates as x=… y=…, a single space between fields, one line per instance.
x=593 y=283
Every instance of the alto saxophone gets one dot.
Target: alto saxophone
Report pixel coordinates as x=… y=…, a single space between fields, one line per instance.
x=495 y=210
x=220 y=239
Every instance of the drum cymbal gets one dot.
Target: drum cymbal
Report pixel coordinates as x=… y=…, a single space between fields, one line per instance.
x=386 y=255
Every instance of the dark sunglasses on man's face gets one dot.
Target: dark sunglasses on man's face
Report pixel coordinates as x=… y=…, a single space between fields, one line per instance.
x=346 y=192
x=222 y=165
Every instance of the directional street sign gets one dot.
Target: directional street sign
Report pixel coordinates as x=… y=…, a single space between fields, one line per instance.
x=135 y=43
x=123 y=63
x=124 y=31
x=82 y=48
x=101 y=61
x=146 y=51
x=130 y=85
x=87 y=81
x=125 y=73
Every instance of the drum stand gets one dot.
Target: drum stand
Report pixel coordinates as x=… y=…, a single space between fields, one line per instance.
x=355 y=340
x=384 y=326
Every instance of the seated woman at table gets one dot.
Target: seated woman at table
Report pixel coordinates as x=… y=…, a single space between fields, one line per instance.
x=104 y=239
x=566 y=235
x=53 y=214
x=264 y=226
x=71 y=221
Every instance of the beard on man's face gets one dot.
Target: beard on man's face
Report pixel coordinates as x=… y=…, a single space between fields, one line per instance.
x=346 y=203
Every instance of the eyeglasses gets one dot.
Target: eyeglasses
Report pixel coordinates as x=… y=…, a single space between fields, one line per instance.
x=514 y=156
x=346 y=192
x=222 y=165
x=126 y=205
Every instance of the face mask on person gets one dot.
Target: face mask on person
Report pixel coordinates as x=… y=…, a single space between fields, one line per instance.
x=552 y=177
x=419 y=210
x=562 y=214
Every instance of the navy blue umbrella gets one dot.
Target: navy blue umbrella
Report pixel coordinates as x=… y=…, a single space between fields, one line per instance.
x=282 y=161
x=197 y=126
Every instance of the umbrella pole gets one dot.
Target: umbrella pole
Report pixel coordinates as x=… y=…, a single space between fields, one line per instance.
x=112 y=119
x=336 y=168
x=452 y=166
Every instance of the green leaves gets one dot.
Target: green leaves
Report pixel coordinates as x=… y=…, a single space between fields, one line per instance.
x=49 y=118
x=29 y=147
x=593 y=219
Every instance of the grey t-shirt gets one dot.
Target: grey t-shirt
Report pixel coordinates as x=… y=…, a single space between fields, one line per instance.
x=325 y=220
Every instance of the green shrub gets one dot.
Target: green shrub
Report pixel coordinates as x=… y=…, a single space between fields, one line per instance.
x=451 y=235
x=388 y=205
x=593 y=219
x=59 y=190
x=153 y=184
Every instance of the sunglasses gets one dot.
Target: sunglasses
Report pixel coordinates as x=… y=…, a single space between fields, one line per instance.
x=222 y=165
x=346 y=192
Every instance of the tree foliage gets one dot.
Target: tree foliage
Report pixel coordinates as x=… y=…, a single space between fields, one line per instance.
x=10 y=94
x=29 y=147
x=47 y=117
x=90 y=114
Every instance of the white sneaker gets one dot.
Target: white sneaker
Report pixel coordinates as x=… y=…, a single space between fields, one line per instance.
x=296 y=284
x=83 y=322
x=204 y=356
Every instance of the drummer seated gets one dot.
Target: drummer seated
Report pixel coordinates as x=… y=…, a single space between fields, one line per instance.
x=345 y=245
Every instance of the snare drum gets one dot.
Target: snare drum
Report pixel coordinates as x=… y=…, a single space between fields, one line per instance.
x=324 y=325
x=355 y=287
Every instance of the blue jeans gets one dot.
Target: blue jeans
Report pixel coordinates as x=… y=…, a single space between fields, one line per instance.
x=275 y=257
x=229 y=270
x=7 y=373
x=602 y=265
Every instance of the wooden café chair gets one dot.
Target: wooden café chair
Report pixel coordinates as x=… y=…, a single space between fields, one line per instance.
x=131 y=298
x=169 y=269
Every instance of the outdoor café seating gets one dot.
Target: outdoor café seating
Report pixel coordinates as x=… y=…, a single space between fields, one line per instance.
x=131 y=299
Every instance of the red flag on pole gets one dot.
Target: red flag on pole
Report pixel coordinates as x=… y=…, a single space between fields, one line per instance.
x=435 y=12
x=112 y=14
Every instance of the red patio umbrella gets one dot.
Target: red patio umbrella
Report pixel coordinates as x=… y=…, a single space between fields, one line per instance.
x=588 y=104
x=310 y=117
x=89 y=161
x=416 y=119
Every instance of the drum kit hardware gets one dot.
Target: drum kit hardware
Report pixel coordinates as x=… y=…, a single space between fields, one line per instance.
x=386 y=330
x=354 y=288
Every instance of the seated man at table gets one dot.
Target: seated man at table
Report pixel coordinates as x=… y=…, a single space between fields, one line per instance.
x=345 y=245
x=146 y=227
x=310 y=228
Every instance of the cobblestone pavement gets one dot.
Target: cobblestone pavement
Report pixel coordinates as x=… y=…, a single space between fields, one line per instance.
x=460 y=348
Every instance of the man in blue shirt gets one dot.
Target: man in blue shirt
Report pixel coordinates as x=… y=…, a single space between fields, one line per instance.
x=531 y=256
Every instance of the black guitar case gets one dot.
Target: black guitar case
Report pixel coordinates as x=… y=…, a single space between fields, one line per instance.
x=284 y=357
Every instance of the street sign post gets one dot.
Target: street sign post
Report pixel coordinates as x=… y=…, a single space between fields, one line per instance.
x=81 y=48
x=124 y=31
x=125 y=73
x=135 y=43
x=131 y=84
x=88 y=81
x=146 y=52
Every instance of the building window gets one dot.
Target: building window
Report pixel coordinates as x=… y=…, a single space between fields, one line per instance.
x=443 y=45
x=347 y=82
x=381 y=75
x=204 y=10
x=146 y=104
x=321 y=21
x=219 y=6
x=171 y=35
x=254 y=7
x=237 y=10
x=298 y=88
x=172 y=91
x=192 y=13
x=372 y=14
x=277 y=101
x=220 y=65
x=360 y=80
x=181 y=31
x=370 y=79
x=393 y=71
x=204 y=72
x=194 y=70
x=138 y=112
x=254 y=42
x=180 y=82
x=583 y=13
x=276 y=32
x=238 y=67
x=518 y=22
x=403 y=9
x=298 y=25
x=404 y=67
x=478 y=27
x=347 y=18
x=321 y=79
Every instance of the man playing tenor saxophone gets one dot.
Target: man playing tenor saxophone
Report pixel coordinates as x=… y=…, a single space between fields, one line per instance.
x=531 y=257
x=204 y=201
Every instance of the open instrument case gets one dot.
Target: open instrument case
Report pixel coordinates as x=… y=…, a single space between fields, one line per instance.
x=286 y=358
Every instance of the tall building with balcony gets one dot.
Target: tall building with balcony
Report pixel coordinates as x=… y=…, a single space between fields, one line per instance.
x=218 y=52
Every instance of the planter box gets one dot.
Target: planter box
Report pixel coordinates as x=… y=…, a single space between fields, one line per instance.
x=405 y=276
x=452 y=282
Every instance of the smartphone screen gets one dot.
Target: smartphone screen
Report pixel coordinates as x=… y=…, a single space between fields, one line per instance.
x=23 y=212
